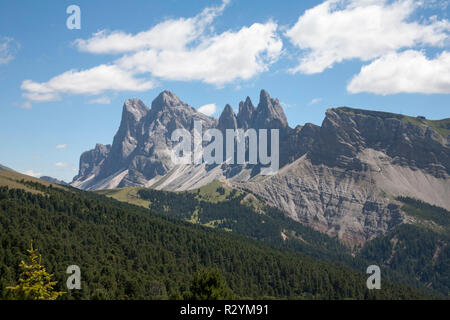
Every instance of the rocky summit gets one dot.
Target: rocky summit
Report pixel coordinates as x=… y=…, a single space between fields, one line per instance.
x=140 y=154
x=341 y=178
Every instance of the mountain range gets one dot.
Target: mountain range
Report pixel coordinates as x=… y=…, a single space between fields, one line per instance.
x=364 y=188
x=141 y=149
x=341 y=178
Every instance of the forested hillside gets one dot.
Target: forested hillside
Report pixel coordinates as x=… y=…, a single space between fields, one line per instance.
x=229 y=209
x=420 y=259
x=418 y=251
x=127 y=252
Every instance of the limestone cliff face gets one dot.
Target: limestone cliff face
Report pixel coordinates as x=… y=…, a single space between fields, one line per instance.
x=409 y=141
x=90 y=165
x=356 y=163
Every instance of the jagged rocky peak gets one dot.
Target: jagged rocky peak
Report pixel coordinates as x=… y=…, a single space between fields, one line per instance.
x=134 y=108
x=166 y=99
x=228 y=119
x=101 y=149
x=91 y=161
x=125 y=140
x=269 y=113
x=245 y=115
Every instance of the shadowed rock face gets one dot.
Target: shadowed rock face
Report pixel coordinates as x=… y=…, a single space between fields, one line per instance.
x=126 y=138
x=339 y=178
x=91 y=163
x=346 y=132
x=245 y=115
x=228 y=119
x=269 y=113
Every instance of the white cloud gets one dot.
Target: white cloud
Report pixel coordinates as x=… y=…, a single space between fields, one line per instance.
x=31 y=173
x=208 y=109
x=100 y=100
x=167 y=35
x=338 y=30
x=61 y=146
x=436 y=4
x=315 y=100
x=8 y=49
x=62 y=164
x=216 y=60
x=407 y=72
x=184 y=49
x=88 y=82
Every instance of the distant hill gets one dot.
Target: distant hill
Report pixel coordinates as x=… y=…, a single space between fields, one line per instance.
x=2 y=167
x=15 y=180
x=54 y=180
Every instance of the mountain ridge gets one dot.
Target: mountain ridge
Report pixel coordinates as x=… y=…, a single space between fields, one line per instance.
x=340 y=178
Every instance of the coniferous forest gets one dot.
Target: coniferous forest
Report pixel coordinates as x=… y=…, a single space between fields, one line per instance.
x=128 y=252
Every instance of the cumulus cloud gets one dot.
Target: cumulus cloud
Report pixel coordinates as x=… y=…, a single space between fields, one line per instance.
x=216 y=60
x=208 y=109
x=62 y=164
x=173 y=34
x=31 y=173
x=410 y=72
x=88 y=82
x=338 y=30
x=8 y=49
x=184 y=49
x=61 y=146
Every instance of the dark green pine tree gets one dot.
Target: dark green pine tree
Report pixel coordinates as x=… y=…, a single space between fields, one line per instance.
x=209 y=284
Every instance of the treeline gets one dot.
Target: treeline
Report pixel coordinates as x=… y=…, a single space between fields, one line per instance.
x=126 y=252
x=426 y=211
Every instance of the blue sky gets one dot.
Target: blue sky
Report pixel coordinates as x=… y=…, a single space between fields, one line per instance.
x=62 y=90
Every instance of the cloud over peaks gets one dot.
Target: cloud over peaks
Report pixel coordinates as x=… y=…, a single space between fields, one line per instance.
x=338 y=30
x=183 y=49
x=407 y=72
x=208 y=109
